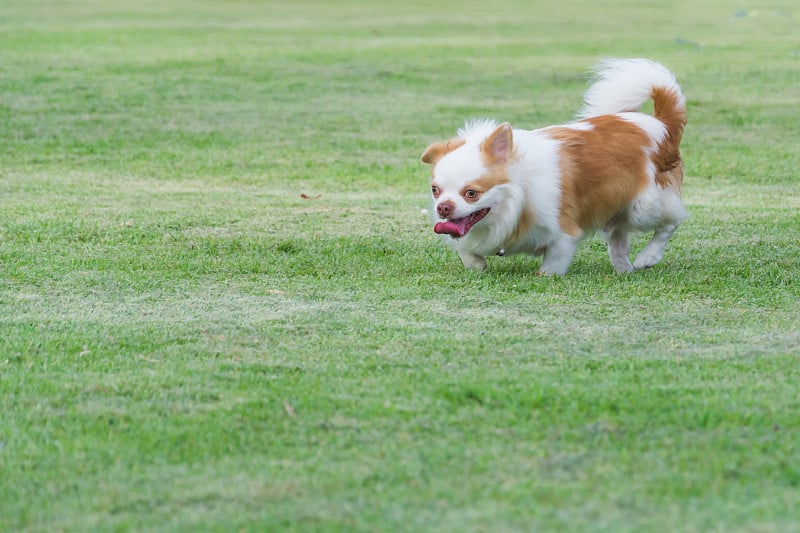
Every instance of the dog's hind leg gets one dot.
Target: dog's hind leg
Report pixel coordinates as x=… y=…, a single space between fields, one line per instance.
x=653 y=252
x=662 y=211
x=619 y=251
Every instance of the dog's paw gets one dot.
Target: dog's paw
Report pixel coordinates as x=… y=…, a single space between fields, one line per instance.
x=473 y=262
x=622 y=267
x=647 y=260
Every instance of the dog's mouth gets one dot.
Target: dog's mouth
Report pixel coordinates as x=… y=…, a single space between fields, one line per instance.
x=458 y=227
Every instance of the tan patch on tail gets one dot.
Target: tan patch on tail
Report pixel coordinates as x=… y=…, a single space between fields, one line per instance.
x=671 y=177
x=668 y=109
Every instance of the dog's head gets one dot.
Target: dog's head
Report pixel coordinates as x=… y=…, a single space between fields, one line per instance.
x=469 y=175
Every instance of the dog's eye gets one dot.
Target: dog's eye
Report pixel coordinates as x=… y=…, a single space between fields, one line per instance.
x=471 y=194
x=435 y=191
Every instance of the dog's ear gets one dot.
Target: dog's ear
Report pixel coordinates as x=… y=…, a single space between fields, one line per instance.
x=498 y=145
x=433 y=153
x=436 y=151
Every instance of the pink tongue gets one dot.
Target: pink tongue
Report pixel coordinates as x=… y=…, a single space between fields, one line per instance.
x=456 y=228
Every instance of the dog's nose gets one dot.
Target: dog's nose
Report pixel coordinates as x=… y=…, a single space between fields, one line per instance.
x=445 y=209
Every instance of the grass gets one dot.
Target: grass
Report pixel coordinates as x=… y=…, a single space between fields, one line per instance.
x=188 y=343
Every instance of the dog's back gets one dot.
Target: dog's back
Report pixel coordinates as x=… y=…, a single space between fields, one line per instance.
x=621 y=169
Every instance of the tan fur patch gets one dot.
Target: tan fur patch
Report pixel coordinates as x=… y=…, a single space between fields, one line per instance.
x=523 y=226
x=667 y=159
x=666 y=110
x=438 y=150
x=496 y=175
x=603 y=169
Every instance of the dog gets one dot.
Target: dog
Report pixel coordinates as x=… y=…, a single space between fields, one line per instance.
x=499 y=191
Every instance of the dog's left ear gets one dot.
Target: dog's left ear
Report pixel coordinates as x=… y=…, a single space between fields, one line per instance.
x=436 y=151
x=498 y=145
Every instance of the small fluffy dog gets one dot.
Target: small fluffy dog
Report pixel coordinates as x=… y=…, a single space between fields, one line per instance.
x=498 y=190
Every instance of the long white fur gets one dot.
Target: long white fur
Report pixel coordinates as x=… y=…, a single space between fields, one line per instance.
x=624 y=85
x=476 y=130
x=654 y=128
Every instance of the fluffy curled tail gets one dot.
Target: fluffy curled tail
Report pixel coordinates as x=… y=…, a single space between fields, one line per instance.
x=623 y=85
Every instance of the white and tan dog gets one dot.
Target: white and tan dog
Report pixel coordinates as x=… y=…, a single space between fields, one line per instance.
x=498 y=190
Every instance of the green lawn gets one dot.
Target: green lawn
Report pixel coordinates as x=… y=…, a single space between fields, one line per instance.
x=223 y=308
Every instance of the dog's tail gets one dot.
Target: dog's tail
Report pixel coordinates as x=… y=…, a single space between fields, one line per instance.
x=624 y=85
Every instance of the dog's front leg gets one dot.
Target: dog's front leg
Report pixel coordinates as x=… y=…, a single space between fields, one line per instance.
x=472 y=261
x=558 y=256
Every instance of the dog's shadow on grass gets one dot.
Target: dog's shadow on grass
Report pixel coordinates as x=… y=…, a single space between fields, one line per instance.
x=589 y=264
